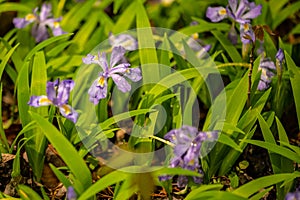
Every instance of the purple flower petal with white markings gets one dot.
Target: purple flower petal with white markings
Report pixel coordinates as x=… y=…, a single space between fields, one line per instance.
x=216 y=14
x=37 y=101
x=68 y=112
x=121 y=83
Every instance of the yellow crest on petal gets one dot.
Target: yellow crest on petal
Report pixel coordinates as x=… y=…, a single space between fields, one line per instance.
x=44 y=101
x=56 y=24
x=67 y=110
x=30 y=17
x=223 y=11
x=101 y=81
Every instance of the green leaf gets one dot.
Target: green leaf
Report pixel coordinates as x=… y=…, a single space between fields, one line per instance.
x=147 y=52
x=103 y=183
x=78 y=12
x=285 y=13
x=36 y=147
x=119 y=117
x=26 y=193
x=5 y=7
x=83 y=35
x=214 y=195
x=194 y=193
x=276 y=149
x=67 y=152
x=44 y=44
x=230 y=49
x=6 y=58
x=225 y=139
x=4 y=146
x=256 y=185
x=295 y=80
x=23 y=95
x=125 y=19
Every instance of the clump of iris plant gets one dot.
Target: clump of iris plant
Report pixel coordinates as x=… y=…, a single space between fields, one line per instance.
x=41 y=22
x=58 y=93
x=267 y=67
x=187 y=149
x=240 y=11
x=116 y=71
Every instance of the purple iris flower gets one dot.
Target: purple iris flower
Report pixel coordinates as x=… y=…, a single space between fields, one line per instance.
x=71 y=194
x=240 y=11
x=98 y=90
x=243 y=12
x=246 y=33
x=266 y=66
x=58 y=93
x=293 y=195
x=125 y=40
x=188 y=141
x=41 y=21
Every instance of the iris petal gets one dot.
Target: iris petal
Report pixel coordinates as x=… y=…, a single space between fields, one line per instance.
x=37 y=101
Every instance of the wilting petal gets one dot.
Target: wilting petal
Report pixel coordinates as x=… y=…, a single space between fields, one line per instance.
x=71 y=194
x=45 y=11
x=133 y=74
x=68 y=112
x=20 y=22
x=124 y=40
x=121 y=83
x=63 y=91
x=37 y=101
x=39 y=32
x=98 y=90
x=216 y=14
x=116 y=55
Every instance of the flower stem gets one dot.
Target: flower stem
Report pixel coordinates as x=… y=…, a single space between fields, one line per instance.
x=162 y=140
x=247 y=65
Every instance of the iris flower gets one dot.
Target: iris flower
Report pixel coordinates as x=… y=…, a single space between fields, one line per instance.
x=41 y=21
x=125 y=40
x=117 y=72
x=58 y=93
x=266 y=66
x=240 y=11
x=187 y=145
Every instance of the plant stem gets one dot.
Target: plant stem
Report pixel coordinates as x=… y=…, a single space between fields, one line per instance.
x=251 y=59
x=162 y=140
